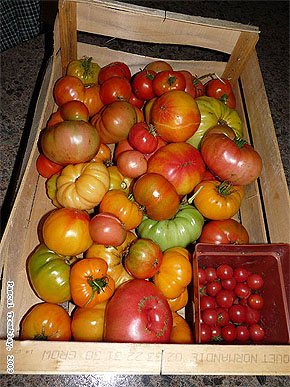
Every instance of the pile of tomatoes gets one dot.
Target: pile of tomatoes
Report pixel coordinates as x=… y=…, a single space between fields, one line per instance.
x=139 y=167
x=230 y=304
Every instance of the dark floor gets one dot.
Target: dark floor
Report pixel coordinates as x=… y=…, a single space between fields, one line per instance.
x=22 y=68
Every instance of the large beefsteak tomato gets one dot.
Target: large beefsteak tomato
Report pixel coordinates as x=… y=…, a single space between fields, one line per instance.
x=227 y=231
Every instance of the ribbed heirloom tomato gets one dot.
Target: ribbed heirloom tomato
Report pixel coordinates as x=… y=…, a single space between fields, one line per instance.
x=175 y=116
x=227 y=231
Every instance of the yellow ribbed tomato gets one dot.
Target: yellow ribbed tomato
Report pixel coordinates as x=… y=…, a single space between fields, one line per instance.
x=175 y=272
x=178 y=302
x=82 y=185
x=104 y=154
x=113 y=256
x=181 y=332
x=118 y=180
x=128 y=211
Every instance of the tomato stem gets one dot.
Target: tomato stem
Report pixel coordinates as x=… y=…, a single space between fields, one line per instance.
x=98 y=285
x=225 y=188
x=240 y=142
x=86 y=63
x=190 y=200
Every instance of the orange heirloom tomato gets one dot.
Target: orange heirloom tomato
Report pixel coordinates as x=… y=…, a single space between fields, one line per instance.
x=104 y=154
x=178 y=302
x=126 y=209
x=90 y=282
x=148 y=109
x=45 y=167
x=82 y=185
x=88 y=323
x=66 y=231
x=113 y=255
x=84 y=69
x=175 y=272
x=46 y=321
x=181 y=332
x=218 y=201
x=119 y=181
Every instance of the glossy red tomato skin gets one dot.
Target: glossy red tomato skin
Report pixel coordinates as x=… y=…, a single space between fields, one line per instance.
x=138 y=312
x=142 y=84
x=229 y=332
x=211 y=274
x=107 y=229
x=252 y=316
x=114 y=69
x=225 y=271
x=158 y=196
x=167 y=81
x=223 y=317
x=205 y=333
x=132 y=163
x=192 y=85
x=181 y=164
x=257 y=333
x=135 y=101
x=68 y=88
x=115 y=89
x=255 y=301
x=242 y=290
x=243 y=333
x=255 y=281
x=237 y=163
x=237 y=313
x=213 y=288
x=210 y=317
x=46 y=167
x=175 y=116
x=227 y=231
x=229 y=100
x=142 y=138
x=74 y=111
x=241 y=274
x=160 y=144
x=216 y=88
x=224 y=298
x=207 y=302
x=229 y=283
x=201 y=276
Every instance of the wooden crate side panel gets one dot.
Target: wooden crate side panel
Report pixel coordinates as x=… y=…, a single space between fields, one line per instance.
x=251 y=212
x=20 y=235
x=152 y=27
x=104 y=55
x=175 y=359
x=273 y=182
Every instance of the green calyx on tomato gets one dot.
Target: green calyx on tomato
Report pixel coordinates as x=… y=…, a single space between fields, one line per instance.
x=98 y=285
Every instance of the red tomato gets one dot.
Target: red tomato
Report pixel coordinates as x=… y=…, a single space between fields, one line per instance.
x=216 y=333
x=257 y=333
x=205 y=333
x=167 y=81
x=158 y=65
x=193 y=86
x=229 y=100
x=241 y=274
x=107 y=229
x=132 y=163
x=115 y=89
x=114 y=69
x=92 y=99
x=201 y=276
x=142 y=84
x=225 y=271
x=210 y=317
x=207 y=302
x=213 y=288
x=143 y=258
x=68 y=88
x=142 y=137
x=255 y=281
x=255 y=301
x=160 y=144
x=229 y=283
x=211 y=274
x=135 y=101
x=122 y=146
x=181 y=164
x=224 y=298
x=157 y=195
x=242 y=290
x=138 y=312
x=227 y=231
x=175 y=116
x=252 y=316
x=45 y=167
x=229 y=332
x=223 y=317
x=243 y=333
x=217 y=88
x=231 y=160
x=237 y=313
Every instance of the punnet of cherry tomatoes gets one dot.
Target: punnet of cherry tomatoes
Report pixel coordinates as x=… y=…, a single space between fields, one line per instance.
x=137 y=168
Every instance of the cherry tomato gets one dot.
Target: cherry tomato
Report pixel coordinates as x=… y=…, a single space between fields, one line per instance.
x=242 y=290
x=243 y=333
x=142 y=137
x=211 y=274
x=257 y=333
x=225 y=271
x=115 y=89
x=255 y=281
x=46 y=167
x=229 y=283
x=167 y=81
x=142 y=84
x=224 y=298
x=216 y=333
x=205 y=333
x=218 y=88
x=237 y=313
x=241 y=274
x=223 y=317
x=255 y=301
x=207 y=302
x=210 y=317
x=135 y=101
x=229 y=332
x=201 y=276
x=213 y=288
x=252 y=316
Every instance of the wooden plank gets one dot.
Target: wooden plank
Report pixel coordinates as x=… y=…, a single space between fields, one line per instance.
x=238 y=59
x=32 y=357
x=153 y=28
x=273 y=182
x=68 y=32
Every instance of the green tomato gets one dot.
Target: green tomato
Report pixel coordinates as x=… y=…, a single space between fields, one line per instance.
x=214 y=112
x=181 y=230
x=49 y=275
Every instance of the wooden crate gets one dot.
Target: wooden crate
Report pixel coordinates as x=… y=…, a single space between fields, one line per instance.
x=265 y=209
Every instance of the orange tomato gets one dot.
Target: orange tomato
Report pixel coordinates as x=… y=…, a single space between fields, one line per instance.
x=181 y=332
x=128 y=211
x=90 y=283
x=178 y=302
x=46 y=321
x=88 y=323
x=104 y=153
x=66 y=231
